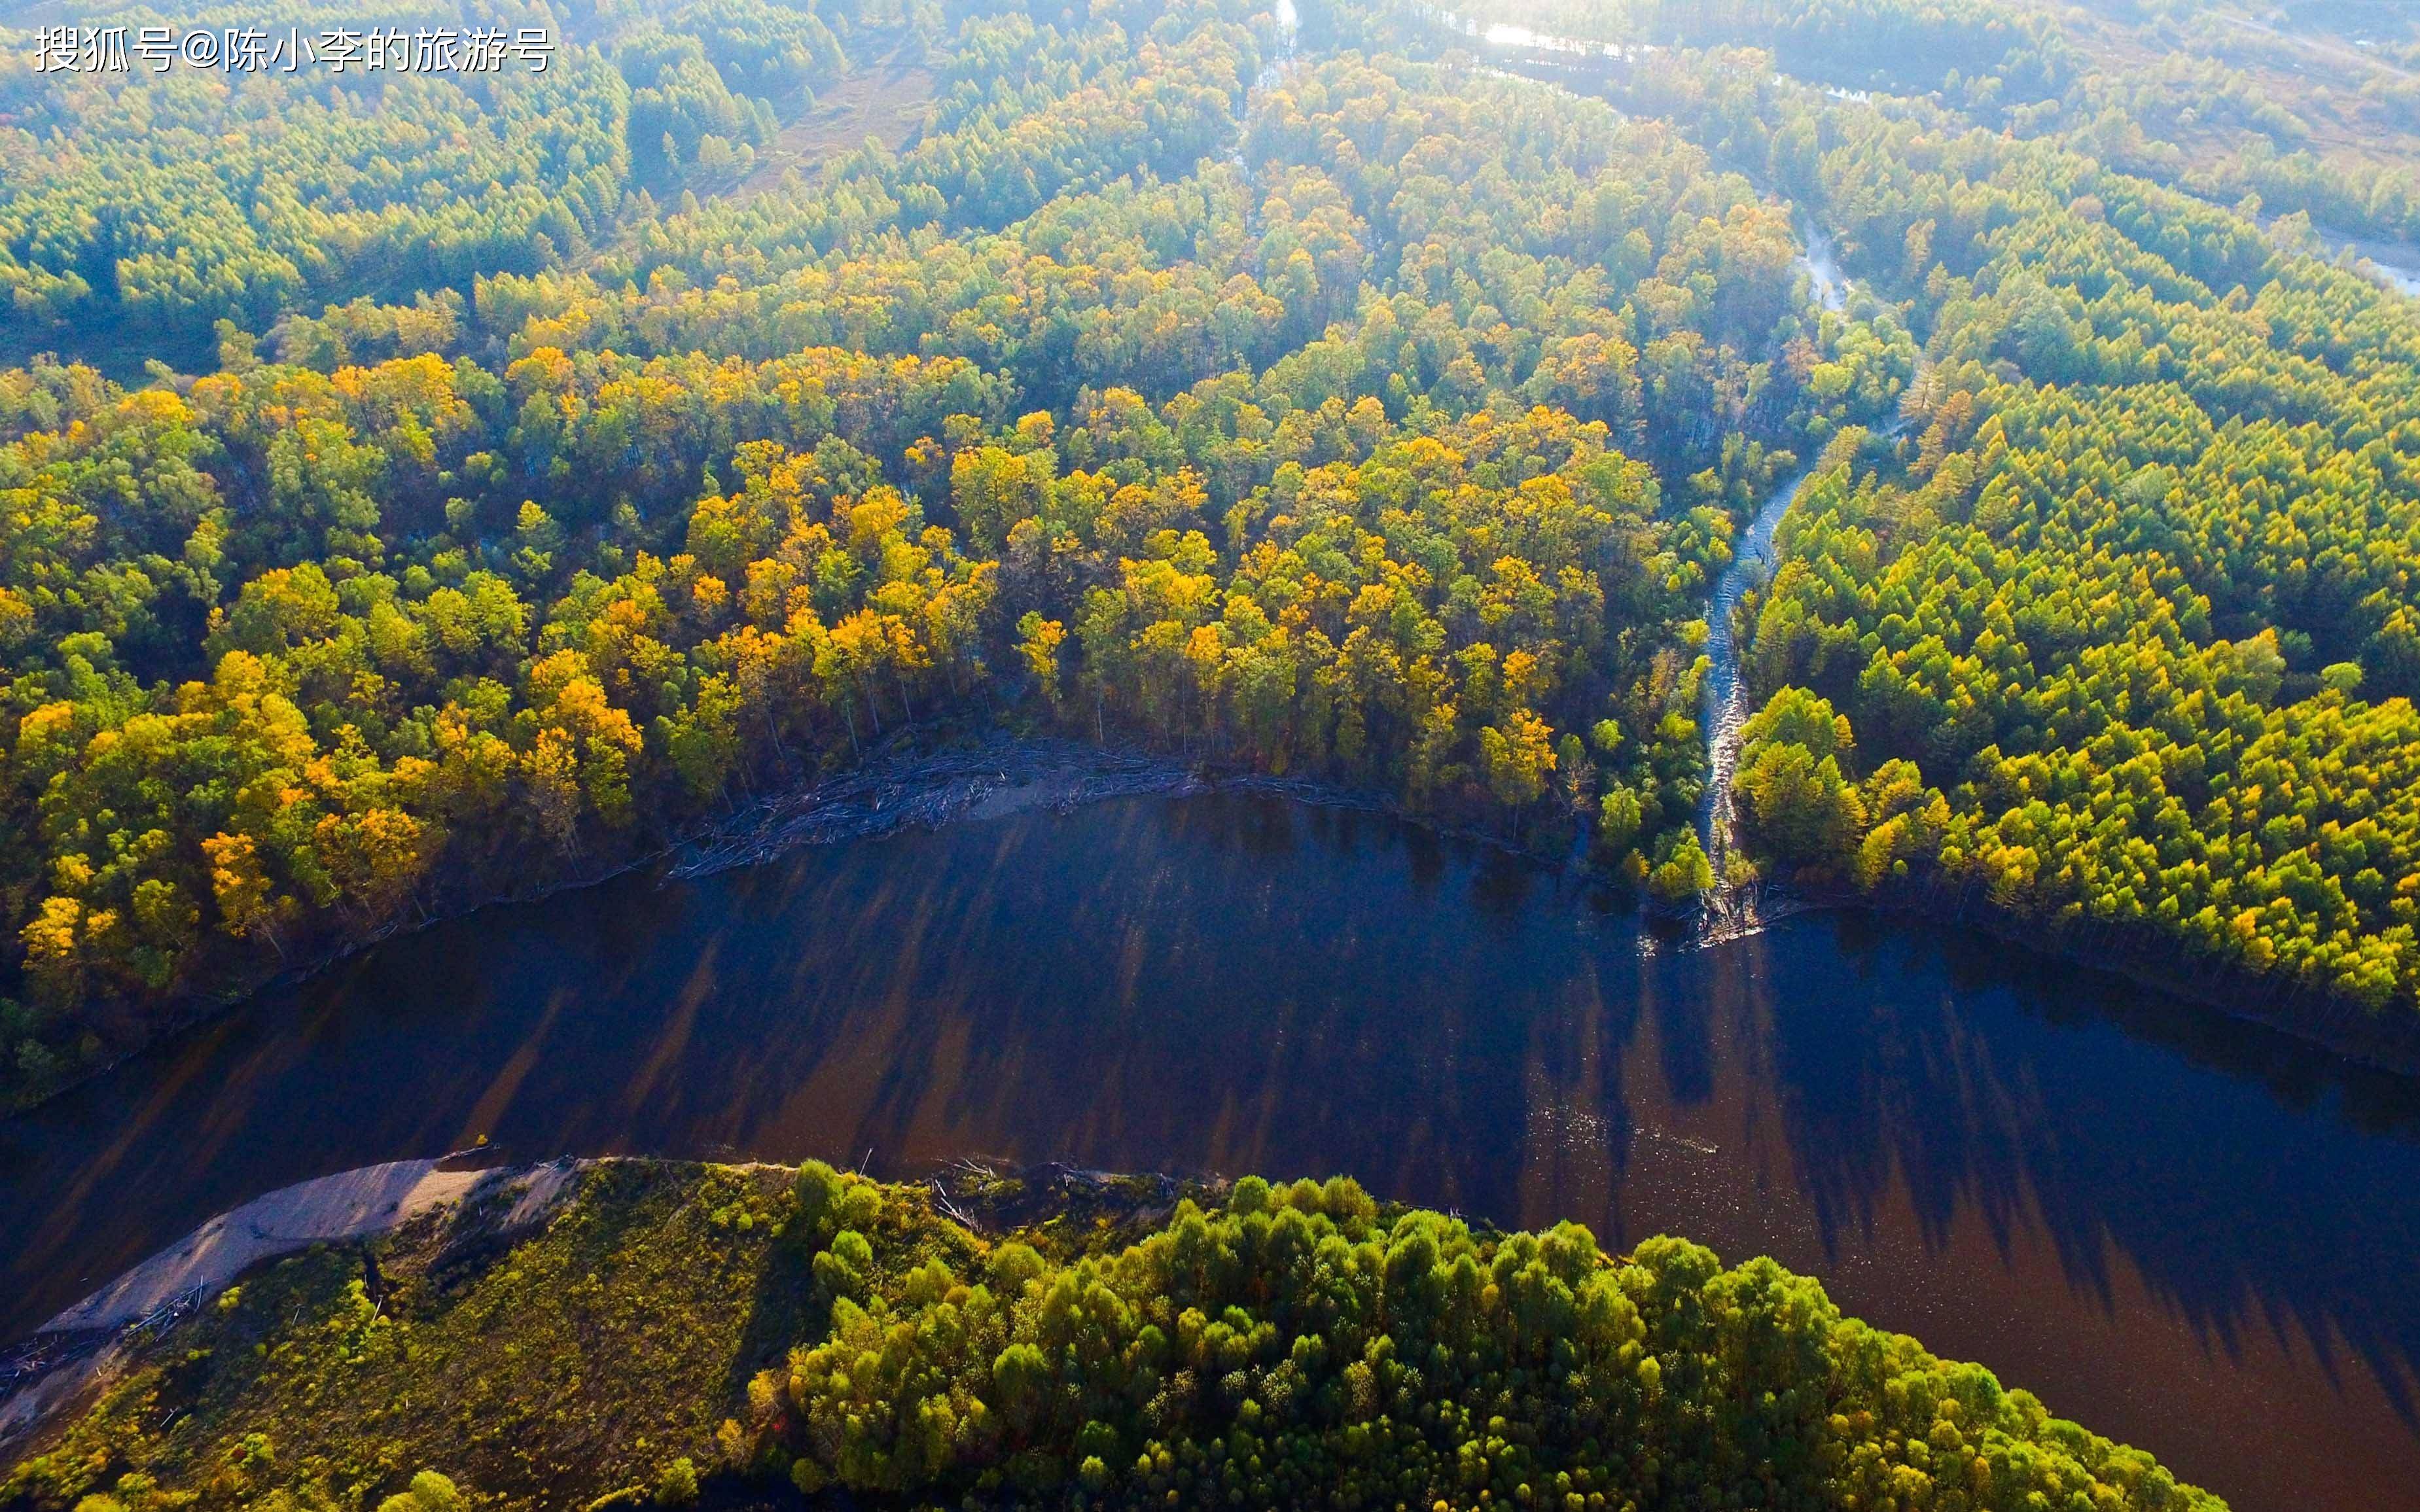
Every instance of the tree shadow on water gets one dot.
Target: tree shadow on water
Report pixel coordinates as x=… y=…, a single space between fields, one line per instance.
x=2242 y=1175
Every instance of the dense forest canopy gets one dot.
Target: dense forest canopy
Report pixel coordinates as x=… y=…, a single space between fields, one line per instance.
x=174 y=195
x=2122 y=631
x=1064 y=406
x=2305 y=108
x=539 y=474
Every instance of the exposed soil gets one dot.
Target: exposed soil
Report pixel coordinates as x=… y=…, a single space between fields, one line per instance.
x=83 y=1348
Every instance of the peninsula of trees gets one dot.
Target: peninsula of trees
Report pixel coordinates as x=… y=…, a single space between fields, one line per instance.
x=741 y=1335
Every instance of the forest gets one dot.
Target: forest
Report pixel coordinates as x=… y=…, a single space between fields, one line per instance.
x=1322 y=405
x=2308 y=107
x=1395 y=444
x=2117 y=630
x=675 y=1335
x=1047 y=417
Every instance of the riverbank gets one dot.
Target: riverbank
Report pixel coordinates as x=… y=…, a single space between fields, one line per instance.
x=85 y=1346
x=933 y=778
x=408 y=1223
x=990 y=777
x=921 y=777
x=190 y=1010
x=667 y=1333
x=928 y=776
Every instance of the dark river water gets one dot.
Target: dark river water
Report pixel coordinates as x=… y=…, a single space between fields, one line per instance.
x=2189 y=1234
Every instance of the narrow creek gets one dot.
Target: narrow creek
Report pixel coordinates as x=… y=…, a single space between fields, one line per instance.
x=2392 y=264
x=1732 y=908
x=1735 y=907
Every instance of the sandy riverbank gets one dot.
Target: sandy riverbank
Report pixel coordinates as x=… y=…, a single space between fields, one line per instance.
x=79 y=1348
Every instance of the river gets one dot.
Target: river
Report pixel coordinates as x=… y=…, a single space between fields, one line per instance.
x=1826 y=285
x=2392 y=264
x=2188 y=1232
x=1287 y=22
